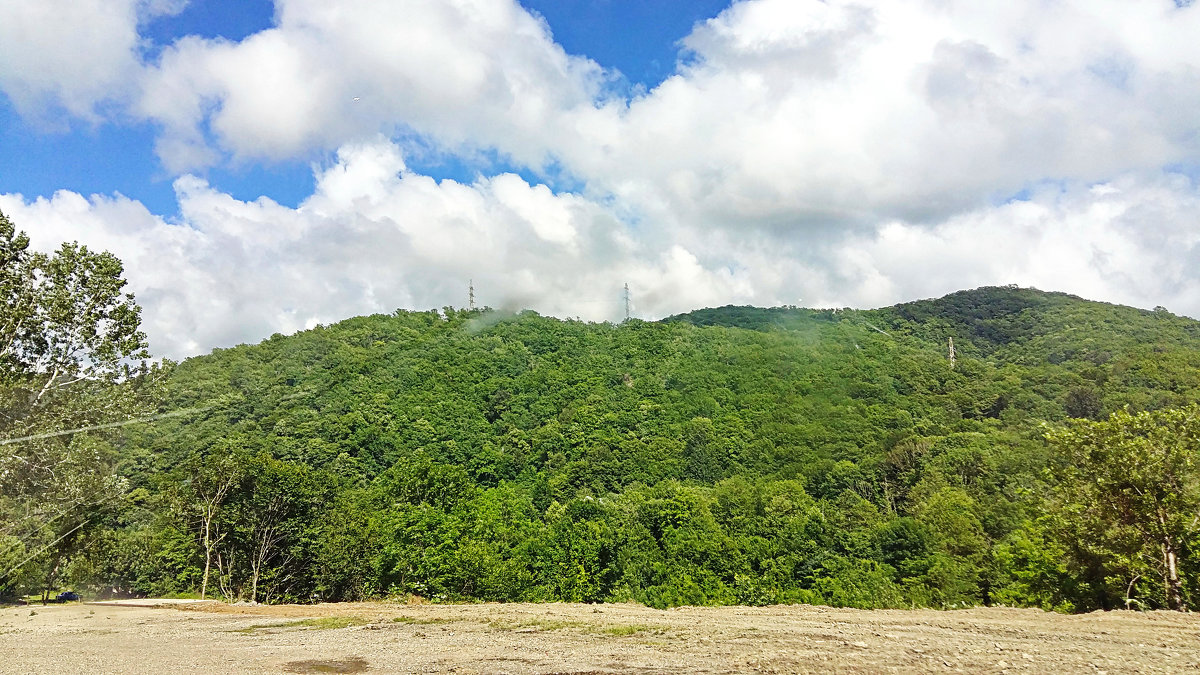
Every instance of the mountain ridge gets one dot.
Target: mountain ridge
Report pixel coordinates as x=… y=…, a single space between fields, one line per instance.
x=822 y=457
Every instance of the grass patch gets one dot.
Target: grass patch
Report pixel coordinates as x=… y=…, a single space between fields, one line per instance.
x=421 y=622
x=322 y=623
x=626 y=629
x=536 y=624
x=617 y=630
x=353 y=665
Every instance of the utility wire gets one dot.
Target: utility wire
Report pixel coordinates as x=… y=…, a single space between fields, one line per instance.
x=110 y=425
x=43 y=549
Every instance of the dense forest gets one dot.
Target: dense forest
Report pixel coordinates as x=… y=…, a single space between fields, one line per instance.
x=730 y=455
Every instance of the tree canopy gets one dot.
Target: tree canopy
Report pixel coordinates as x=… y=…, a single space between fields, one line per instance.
x=729 y=455
x=1131 y=484
x=69 y=346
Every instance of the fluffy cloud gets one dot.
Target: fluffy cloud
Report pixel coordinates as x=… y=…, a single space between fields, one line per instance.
x=847 y=152
x=801 y=115
x=72 y=55
x=374 y=236
x=66 y=54
x=1132 y=240
x=371 y=238
x=468 y=73
x=784 y=115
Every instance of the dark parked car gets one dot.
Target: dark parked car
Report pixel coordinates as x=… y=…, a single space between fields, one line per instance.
x=67 y=596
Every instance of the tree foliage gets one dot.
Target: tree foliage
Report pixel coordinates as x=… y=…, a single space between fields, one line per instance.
x=1131 y=484
x=731 y=455
x=68 y=338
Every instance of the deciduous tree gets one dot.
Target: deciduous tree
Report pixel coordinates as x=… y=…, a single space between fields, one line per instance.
x=1132 y=482
x=69 y=337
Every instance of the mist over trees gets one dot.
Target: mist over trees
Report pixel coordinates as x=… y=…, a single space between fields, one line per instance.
x=729 y=455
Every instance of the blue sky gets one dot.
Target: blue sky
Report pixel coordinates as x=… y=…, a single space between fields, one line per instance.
x=640 y=39
x=263 y=166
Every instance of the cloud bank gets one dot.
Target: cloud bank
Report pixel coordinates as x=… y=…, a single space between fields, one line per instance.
x=817 y=153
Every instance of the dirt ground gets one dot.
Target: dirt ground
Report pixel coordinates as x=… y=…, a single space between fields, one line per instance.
x=562 y=638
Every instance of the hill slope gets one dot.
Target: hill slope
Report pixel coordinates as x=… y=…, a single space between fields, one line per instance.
x=726 y=455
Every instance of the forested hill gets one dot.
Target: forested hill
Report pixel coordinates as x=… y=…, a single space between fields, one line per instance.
x=1026 y=327
x=727 y=455
x=985 y=320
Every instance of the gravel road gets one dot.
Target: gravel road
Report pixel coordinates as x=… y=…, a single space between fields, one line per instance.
x=146 y=637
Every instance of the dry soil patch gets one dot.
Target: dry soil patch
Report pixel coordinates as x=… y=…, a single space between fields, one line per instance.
x=567 y=638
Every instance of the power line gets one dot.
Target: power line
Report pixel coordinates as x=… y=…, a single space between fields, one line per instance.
x=877 y=328
x=41 y=550
x=110 y=425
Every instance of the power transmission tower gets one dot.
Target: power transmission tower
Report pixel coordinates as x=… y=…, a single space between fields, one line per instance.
x=627 y=302
x=951 y=353
x=471 y=294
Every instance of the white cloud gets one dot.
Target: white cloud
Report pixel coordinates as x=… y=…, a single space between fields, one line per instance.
x=847 y=152
x=371 y=238
x=1132 y=240
x=786 y=115
x=374 y=236
x=801 y=115
x=71 y=54
x=469 y=73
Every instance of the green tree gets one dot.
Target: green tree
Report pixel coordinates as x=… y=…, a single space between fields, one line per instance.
x=1084 y=402
x=277 y=502
x=202 y=496
x=1134 y=481
x=68 y=337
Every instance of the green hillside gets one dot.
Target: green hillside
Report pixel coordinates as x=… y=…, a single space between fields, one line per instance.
x=729 y=455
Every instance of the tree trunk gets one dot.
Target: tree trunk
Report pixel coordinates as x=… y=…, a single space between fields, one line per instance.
x=1174 y=586
x=207 y=556
x=51 y=577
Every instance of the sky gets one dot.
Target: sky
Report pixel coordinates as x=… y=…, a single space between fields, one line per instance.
x=264 y=167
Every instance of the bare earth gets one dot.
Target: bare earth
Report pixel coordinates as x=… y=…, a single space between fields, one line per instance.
x=560 y=638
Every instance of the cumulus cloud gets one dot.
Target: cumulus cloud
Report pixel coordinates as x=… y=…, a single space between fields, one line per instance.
x=72 y=55
x=468 y=73
x=846 y=152
x=799 y=115
x=372 y=237
x=1131 y=240
x=66 y=54
x=782 y=115
x=375 y=236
